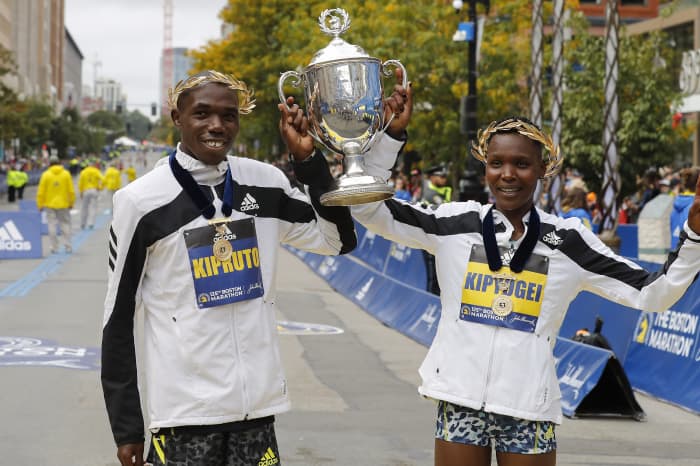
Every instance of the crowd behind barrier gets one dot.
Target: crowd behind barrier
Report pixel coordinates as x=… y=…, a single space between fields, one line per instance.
x=660 y=352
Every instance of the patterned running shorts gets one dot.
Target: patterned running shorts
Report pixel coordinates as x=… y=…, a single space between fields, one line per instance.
x=252 y=447
x=508 y=434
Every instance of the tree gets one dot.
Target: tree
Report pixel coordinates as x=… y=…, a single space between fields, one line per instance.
x=647 y=92
x=35 y=131
x=68 y=131
x=108 y=123
x=137 y=125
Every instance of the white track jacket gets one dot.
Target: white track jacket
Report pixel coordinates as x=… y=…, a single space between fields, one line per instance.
x=201 y=366
x=498 y=369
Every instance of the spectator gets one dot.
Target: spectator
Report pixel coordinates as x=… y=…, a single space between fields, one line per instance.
x=574 y=205
x=682 y=203
x=401 y=188
x=56 y=195
x=436 y=191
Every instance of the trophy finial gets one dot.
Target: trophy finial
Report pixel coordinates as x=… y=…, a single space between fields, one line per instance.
x=339 y=21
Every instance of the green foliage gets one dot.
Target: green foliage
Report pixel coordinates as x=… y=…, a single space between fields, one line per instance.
x=108 y=121
x=67 y=130
x=138 y=125
x=271 y=37
x=37 y=119
x=646 y=93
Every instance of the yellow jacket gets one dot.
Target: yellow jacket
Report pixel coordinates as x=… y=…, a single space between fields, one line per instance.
x=90 y=178
x=131 y=174
x=16 y=178
x=112 y=179
x=55 y=189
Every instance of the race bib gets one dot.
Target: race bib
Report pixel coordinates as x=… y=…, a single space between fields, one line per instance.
x=503 y=298
x=225 y=262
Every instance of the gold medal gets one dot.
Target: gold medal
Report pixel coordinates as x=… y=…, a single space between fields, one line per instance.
x=502 y=305
x=222 y=248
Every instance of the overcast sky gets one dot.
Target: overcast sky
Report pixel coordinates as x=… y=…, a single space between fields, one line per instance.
x=126 y=36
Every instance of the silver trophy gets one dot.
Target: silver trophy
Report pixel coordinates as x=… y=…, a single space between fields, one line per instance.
x=345 y=106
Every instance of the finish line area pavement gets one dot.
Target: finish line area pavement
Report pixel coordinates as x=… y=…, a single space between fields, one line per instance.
x=352 y=380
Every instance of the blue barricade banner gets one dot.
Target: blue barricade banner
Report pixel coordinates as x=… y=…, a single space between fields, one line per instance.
x=372 y=249
x=29 y=205
x=664 y=356
x=629 y=240
x=579 y=368
x=619 y=321
x=20 y=235
x=406 y=265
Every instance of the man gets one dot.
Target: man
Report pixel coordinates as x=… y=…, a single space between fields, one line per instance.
x=89 y=186
x=193 y=247
x=436 y=190
x=17 y=178
x=56 y=195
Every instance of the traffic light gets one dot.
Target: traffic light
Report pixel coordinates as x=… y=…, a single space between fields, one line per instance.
x=119 y=108
x=154 y=109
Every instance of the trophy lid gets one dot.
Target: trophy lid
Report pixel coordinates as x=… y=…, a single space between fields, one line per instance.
x=337 y=49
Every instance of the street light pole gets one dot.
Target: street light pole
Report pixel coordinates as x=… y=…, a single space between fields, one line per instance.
x=468 y=105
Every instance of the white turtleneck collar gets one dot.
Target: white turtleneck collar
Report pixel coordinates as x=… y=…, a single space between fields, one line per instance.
x=208 y=175
x=503 y=237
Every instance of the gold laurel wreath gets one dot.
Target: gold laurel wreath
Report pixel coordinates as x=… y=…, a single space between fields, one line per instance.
x=553 y=161
x=246 y=102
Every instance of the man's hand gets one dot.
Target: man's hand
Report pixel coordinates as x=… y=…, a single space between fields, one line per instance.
x=694 y=212
x=294 y=128
x=400 y=104
x=130 y=454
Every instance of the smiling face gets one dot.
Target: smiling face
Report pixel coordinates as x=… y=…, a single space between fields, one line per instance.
x=513 y=166
x=207 y=117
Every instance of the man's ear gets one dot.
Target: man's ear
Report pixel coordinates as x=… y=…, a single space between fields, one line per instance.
x=175 y=116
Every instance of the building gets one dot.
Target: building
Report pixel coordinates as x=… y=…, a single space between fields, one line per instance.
x=181 y=65
x=630 y=11
x=109 y=92
x=34 y=32
x=72 y=73
x=683 y=29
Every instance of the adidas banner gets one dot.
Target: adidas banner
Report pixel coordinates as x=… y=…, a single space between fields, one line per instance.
x=20 y=235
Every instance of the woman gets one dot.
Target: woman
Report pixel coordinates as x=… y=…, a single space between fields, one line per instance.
x=507 y=273
x=574 y=205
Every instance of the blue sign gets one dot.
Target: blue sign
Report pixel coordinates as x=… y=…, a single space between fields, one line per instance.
x=579 y=368
x=23 y=351
x=28 y=205
x=664 y=355
x=20 y=235
x=465 y=32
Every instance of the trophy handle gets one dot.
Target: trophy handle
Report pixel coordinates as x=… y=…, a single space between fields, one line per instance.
x=280 y=85
x=388 y=72
x=296 y=83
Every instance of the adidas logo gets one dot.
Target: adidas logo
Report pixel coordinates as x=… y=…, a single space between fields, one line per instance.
x=268 y=458
x=11 y=239
x=552 y=239
x=249 y=203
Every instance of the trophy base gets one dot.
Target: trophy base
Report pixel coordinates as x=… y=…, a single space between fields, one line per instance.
x=353 y=190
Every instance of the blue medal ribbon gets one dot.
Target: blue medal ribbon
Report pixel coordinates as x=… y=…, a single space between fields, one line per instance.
x=522 y=254
x=187 y=182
